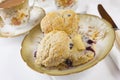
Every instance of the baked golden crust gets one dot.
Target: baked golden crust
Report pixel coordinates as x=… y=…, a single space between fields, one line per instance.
x=82 y=58
x=63 y=20
x=53 y=49
x=52 y=21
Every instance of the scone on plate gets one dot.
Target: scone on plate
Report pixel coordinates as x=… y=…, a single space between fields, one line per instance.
x=53 y=49
x=62 y=45
x=63 y=20
x=58 y=50
x=59 y=53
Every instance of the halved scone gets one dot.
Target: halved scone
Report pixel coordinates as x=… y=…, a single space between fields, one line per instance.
x=92 y=30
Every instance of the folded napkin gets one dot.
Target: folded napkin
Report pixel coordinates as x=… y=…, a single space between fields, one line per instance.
x=112 y=9
x=115 y=55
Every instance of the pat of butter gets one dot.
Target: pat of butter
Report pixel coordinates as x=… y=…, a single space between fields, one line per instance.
x=78 y=43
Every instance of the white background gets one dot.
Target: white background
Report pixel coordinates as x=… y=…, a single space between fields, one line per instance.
x=12 y=66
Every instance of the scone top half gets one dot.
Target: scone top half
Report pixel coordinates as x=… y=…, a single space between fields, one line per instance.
x=63 y=20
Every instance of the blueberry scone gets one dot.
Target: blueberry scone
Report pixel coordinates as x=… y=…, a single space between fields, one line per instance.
x=65 y=44
x=53 y=49
x=63 y=20
x=60 y=50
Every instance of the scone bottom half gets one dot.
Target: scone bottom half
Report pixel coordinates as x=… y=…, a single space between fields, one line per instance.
x=58 y=52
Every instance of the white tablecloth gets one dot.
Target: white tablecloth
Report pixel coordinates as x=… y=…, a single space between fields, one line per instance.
x=12 y=66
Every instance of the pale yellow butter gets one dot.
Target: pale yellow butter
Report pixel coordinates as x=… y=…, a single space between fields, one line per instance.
x=78 y=43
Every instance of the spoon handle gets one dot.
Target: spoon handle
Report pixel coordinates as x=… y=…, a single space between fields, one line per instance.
x=117 y=32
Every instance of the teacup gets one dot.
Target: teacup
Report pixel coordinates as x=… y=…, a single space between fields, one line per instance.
x=18 y=17
x=15 y=12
